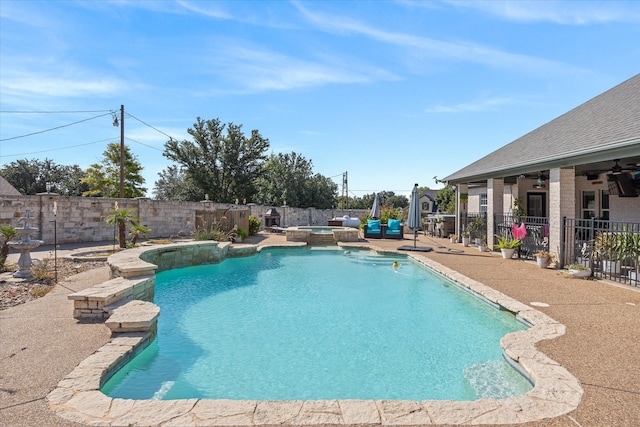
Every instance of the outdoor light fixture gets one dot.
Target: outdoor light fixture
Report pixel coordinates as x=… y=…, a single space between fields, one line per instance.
x=540 y=180
x=48 y=186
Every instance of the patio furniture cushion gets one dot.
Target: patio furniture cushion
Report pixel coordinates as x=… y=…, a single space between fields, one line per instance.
x=393 y=229
x=373 y=225
x=393 y=225
x=372 y=229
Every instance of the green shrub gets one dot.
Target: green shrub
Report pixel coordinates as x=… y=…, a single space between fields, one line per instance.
x=242 y=233
x=254 y=225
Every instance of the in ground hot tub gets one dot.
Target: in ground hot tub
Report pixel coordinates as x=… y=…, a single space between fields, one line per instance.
x=321 y=234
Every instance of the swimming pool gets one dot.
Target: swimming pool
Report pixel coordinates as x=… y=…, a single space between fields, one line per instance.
x=356 y=327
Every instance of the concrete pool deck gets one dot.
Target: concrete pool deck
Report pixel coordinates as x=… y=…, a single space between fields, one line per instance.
x=600 y=346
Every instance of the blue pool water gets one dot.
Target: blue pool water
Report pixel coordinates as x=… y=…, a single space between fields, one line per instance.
x=307 y=324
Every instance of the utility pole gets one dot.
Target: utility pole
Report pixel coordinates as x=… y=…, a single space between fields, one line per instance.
x=345 y=191
x=122 y=151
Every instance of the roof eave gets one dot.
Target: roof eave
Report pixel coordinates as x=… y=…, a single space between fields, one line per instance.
x=616 y=150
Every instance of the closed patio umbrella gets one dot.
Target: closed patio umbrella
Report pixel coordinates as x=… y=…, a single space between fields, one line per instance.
x=414 y=222
x=375 y=209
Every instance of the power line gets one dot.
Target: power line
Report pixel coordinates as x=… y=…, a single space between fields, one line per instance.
x=53 y=112
x=55 y=128
x=56 y=149
x=147 y=124
x=142 y=143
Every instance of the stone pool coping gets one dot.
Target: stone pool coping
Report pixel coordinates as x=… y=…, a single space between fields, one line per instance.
x=556 y=391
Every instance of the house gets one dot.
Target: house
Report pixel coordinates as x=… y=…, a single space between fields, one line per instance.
x=583 y=165
x=7 y=189
x=428 y=202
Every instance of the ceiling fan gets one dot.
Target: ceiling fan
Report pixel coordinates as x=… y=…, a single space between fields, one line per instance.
x=616 y=169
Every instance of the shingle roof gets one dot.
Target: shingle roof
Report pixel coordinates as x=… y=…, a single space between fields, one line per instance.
x=607 y=122
x=7 y=189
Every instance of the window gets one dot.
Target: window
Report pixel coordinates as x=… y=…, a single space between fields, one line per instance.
x=483 y=203
x=588 y=204
x=537 y=204
x=426 y=206
x=604 y=209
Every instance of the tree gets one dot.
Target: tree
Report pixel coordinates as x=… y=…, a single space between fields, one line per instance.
x=136 y=231
x=223 y=165
x=30 y=177
x=122 y=217
x=397 y=201
x=289 y=178
x=174 y=184
x=323 y=192
x=104 y=178
x=446 y=200
x=7 y=233
x=387 y=198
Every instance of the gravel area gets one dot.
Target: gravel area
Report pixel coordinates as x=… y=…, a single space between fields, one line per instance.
x=18 y=291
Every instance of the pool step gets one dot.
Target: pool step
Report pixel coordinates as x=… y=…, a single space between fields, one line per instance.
x=493 y=379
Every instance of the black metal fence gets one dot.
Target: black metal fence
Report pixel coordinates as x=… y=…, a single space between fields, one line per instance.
x=536 y=237
x=475 y=224
x=611 y=250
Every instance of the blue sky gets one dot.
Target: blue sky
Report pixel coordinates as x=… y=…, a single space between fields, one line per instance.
x=392 y=92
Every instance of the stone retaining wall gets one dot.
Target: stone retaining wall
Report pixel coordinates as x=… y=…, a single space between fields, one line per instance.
x=133 y=273
x=81 y=219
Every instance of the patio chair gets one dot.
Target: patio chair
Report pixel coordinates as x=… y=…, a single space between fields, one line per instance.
x=373 y=229
x=393 y=230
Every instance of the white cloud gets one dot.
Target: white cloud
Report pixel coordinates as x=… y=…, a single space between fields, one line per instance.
x=33 y=84
x=212 y=9
x=559 y=12
x=419 y=46
x=258 y=70
x=480 y=105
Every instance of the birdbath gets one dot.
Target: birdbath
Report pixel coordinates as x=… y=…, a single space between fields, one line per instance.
x=25 y=244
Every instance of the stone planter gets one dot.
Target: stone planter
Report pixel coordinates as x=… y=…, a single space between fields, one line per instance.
x=543 y=262
x=482 y=248
x=465 y=241
x=580 y=273
x=507 y=253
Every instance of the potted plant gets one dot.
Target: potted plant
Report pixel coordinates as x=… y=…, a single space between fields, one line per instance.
x=482 y=246
x=608 y=247
x=239 y=235
x=507 y=246
x=578 y=270
x=453 y=238
x=465 y=239
x=477 y=229
x=543 y=258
